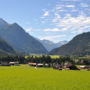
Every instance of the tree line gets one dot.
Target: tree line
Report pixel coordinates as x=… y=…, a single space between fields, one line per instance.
x=46 y=59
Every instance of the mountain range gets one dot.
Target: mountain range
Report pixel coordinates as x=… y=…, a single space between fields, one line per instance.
x=49 y=45
x=14 y=39
x=79 y=45
x=19 y=40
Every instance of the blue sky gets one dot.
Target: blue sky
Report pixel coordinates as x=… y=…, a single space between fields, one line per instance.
x=55 y=20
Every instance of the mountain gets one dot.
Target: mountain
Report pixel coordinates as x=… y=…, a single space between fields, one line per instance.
x=3 y=23
x=5 y=48
x=21 y=41
x=79 y=45
x=59 y=44
x=49 y=45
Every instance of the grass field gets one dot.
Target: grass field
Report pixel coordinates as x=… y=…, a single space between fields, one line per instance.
x=52 y=56
x=28 y=78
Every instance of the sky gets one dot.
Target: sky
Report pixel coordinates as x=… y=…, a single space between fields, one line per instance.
x=54 y=20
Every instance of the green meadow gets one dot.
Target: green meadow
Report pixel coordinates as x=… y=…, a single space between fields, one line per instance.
x=25 y=77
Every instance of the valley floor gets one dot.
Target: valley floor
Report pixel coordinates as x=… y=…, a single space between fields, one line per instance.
x=25 y=77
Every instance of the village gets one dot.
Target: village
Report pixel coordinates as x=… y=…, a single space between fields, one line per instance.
x=62 y=63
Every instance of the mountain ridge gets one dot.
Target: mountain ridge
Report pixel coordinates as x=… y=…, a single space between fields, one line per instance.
x=49 y=45
x=20 y=40
x=79 y=45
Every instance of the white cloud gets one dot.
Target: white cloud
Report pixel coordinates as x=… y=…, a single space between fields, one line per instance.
x=46 y=13
x=70 y=6
x=69 y=23
x=63 y=8
x=67 y=18
x=58 y=7
x=74 y=10
x=53 y=37
x=84 y=5
x=52 y=29
x=57 y=18
x=29 y=29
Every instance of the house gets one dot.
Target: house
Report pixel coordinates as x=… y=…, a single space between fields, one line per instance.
x=36 y=64
x=13 y=63
x=32 y=64
x=39 y=65
x=85 y=68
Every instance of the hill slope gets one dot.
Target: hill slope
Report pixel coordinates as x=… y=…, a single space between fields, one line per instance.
x=79 y=45
x=20 y=40
x=5 y=48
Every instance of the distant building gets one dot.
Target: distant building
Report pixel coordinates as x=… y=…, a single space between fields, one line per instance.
x=13 y=63
x=36 y=64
